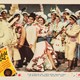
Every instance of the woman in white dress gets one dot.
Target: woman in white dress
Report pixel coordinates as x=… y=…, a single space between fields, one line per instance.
x=43 y=53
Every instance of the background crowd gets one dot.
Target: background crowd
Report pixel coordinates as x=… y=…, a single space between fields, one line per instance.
x=41 y=42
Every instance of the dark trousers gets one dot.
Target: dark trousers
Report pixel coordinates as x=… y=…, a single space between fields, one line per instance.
x=25 y=52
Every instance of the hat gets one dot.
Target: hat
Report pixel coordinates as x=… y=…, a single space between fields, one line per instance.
x=41 y=14
x=32 y=15
x=25 y=13
x=38 y=13
x=68 y=11
x=14 y=20
x=17 y=12
x=77 y=13
x=73 y=17
x=49 y=15
x=44 y=16
x=51 y=12
x=4 y=10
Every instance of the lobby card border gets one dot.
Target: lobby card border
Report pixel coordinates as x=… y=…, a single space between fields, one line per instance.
x=39 y=1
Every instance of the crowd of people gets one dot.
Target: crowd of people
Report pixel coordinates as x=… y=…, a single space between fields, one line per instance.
x=41 y=42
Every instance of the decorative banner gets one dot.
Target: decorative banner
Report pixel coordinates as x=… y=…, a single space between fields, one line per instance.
x=6 y=66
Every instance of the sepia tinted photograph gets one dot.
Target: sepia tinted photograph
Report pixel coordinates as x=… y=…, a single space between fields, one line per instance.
x=39 y=38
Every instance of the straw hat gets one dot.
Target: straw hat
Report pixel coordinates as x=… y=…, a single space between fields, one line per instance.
x=73 y=16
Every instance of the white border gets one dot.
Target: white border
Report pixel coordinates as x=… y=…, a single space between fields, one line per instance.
x=24 y=75
x=40 y=1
